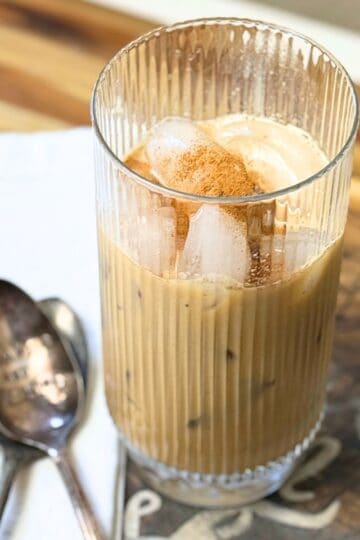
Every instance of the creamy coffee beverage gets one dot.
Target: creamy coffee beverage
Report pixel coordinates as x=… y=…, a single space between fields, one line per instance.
x=217 y=316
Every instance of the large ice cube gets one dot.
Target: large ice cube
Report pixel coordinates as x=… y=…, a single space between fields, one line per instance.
x=183 y=157
x=300 y=248
x=280 y=155
x=215 y=246
x=156 y=247
x=147 y=228
x=168 y=141
x=268 y=166
x=294 y=250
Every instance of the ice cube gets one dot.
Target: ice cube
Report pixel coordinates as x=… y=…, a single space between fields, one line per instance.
x=147 y=228
x=265 y=164
x=294 y=250
x=215 y=246
x=184 y=157
x=167 y=144
x=169 y=139
x=300 y=248
x=156 y=248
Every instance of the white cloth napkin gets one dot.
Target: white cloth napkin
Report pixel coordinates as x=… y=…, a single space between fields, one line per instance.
x=48 y=247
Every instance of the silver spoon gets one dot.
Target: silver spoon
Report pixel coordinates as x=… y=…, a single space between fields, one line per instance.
x=41 y=390
x=68 y=325
x=15 y=455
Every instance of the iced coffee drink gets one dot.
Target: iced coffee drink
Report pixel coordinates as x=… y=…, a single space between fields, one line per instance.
x=220 y=246
x=215 y=345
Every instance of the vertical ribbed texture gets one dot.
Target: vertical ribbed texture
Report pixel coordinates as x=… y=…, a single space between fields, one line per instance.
x=202 y=376
x=212 y=379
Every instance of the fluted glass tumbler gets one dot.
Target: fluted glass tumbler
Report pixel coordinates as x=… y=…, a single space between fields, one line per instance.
x=216 y=384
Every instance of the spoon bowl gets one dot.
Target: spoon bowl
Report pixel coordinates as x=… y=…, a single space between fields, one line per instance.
x=41 y=392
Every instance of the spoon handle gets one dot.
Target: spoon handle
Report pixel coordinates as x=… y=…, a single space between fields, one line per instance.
x=119 y=498
x=9 y=469
x=89 y=526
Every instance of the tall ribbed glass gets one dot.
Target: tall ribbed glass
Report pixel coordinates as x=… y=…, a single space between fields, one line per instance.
x=218 y=386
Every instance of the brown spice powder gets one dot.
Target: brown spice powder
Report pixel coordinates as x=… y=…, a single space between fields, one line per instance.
x=207 y=170
x=210 y=170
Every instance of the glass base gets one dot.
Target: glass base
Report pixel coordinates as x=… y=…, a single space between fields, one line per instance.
x=219 y=491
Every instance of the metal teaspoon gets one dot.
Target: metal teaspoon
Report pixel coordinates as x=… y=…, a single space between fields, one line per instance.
x=16 y=455
x=41 y=390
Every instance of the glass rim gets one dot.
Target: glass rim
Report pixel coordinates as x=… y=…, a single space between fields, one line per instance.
x=256 y=197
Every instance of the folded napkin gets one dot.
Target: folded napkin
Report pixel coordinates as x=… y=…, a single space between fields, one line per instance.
x=48 y=247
